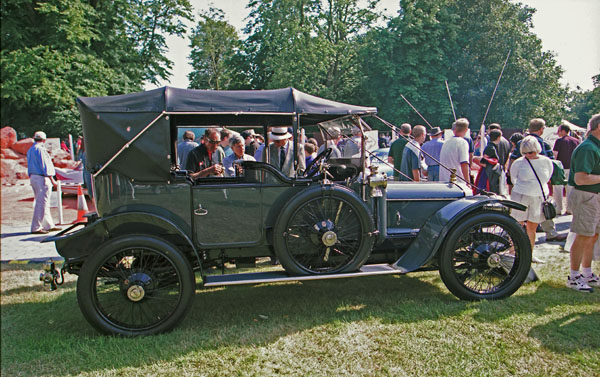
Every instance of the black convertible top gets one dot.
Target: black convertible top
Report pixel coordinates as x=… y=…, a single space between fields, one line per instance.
x=287 y=100
x=110 y=123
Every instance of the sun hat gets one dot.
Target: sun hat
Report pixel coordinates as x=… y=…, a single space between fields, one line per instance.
x=280 y=133
x=435 y=131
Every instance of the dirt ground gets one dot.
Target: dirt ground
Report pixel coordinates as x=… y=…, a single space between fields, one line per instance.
x=17 y=205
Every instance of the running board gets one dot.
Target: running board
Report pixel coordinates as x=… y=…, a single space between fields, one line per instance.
x=279 y=276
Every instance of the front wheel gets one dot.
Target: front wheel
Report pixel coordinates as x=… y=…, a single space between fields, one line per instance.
x=135 y=285
x=486 y=256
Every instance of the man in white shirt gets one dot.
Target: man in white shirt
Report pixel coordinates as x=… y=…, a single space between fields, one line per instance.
x=455 y=152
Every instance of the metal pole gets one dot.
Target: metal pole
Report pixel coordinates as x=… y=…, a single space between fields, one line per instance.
x=494 y=92
x=450 y=97
x=128 y=144
x=417 y=111
x=59 y=194
x=71 y=147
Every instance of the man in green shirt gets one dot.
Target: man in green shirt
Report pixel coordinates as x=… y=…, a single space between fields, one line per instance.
x=584 y=176
x=397 y=148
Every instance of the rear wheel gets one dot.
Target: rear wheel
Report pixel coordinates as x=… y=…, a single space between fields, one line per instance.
x=324 y=232
x=135 y=285
x=487 y=256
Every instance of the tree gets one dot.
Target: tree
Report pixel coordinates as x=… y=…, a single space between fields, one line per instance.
x=465 y=43
x=56 y=50
x=407 y=58
x=307 y=44
x=279 y=46
x=584 y=104
x=215 y=47
x=530 y=85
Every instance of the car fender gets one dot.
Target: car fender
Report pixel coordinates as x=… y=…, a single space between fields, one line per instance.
x=432 y=234
x=81 y=243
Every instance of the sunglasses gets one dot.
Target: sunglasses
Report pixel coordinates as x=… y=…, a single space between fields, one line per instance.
x=214 y=141
x=530 y=152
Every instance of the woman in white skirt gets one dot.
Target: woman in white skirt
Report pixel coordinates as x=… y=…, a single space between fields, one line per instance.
x=526 y=189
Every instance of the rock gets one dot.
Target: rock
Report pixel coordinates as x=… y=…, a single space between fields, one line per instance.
x=58 y=155
x=9 y=167
x=10 y=154
x=66 y=164
x=11 y=170
x=8 y=136
x=22 y=146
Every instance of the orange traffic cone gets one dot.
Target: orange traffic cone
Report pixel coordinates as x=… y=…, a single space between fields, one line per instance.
x=82 y=207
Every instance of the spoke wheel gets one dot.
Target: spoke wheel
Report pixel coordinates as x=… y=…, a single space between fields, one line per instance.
x=135 y=285
x=488 y=256
x=324 y=233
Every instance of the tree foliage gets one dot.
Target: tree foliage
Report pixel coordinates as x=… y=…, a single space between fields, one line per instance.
x=308 y=44
x=584 y=104
x=466 y=43
x=56 y=50
x=215 y=47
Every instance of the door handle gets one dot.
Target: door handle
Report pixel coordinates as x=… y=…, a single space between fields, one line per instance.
x=200 y=211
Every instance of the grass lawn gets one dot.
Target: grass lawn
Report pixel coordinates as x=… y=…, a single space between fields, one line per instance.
x=389 y=325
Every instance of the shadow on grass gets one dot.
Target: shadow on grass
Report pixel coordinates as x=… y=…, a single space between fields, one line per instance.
x=571 y=333
x=54 y=334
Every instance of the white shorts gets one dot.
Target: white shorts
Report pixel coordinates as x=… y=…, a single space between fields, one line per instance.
x=533 y=213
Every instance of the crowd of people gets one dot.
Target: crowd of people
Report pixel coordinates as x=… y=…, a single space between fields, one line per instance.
x=217 y=150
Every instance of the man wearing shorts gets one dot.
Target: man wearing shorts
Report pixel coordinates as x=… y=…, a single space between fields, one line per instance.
x=584 y=176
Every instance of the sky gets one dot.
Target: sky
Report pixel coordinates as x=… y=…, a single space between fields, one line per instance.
x=566 y=27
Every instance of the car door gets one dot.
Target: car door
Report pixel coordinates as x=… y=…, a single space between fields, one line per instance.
x=227 y=213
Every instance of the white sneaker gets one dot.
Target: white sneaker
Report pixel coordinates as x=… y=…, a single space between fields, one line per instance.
x=592 y=281
x=579 y=284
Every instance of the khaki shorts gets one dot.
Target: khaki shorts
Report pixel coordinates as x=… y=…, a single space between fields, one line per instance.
x=533 y=213
x=586 y=212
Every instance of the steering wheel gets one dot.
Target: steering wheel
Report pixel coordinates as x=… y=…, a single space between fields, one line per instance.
x=312 y=169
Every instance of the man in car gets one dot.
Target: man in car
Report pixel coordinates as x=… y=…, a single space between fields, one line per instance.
x=280 y=153
x=237 y=146
x=200 y=162
x=184 y=148
x=251 y=144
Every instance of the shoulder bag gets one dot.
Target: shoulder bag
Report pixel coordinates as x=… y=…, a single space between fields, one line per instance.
x=547 y=207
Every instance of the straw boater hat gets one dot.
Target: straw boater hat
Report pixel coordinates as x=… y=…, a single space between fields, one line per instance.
x=280 y=133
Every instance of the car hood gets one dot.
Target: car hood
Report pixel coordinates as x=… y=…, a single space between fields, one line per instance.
x=424 y=191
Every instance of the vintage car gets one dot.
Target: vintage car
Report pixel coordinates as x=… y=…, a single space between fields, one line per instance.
x=156 y=228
